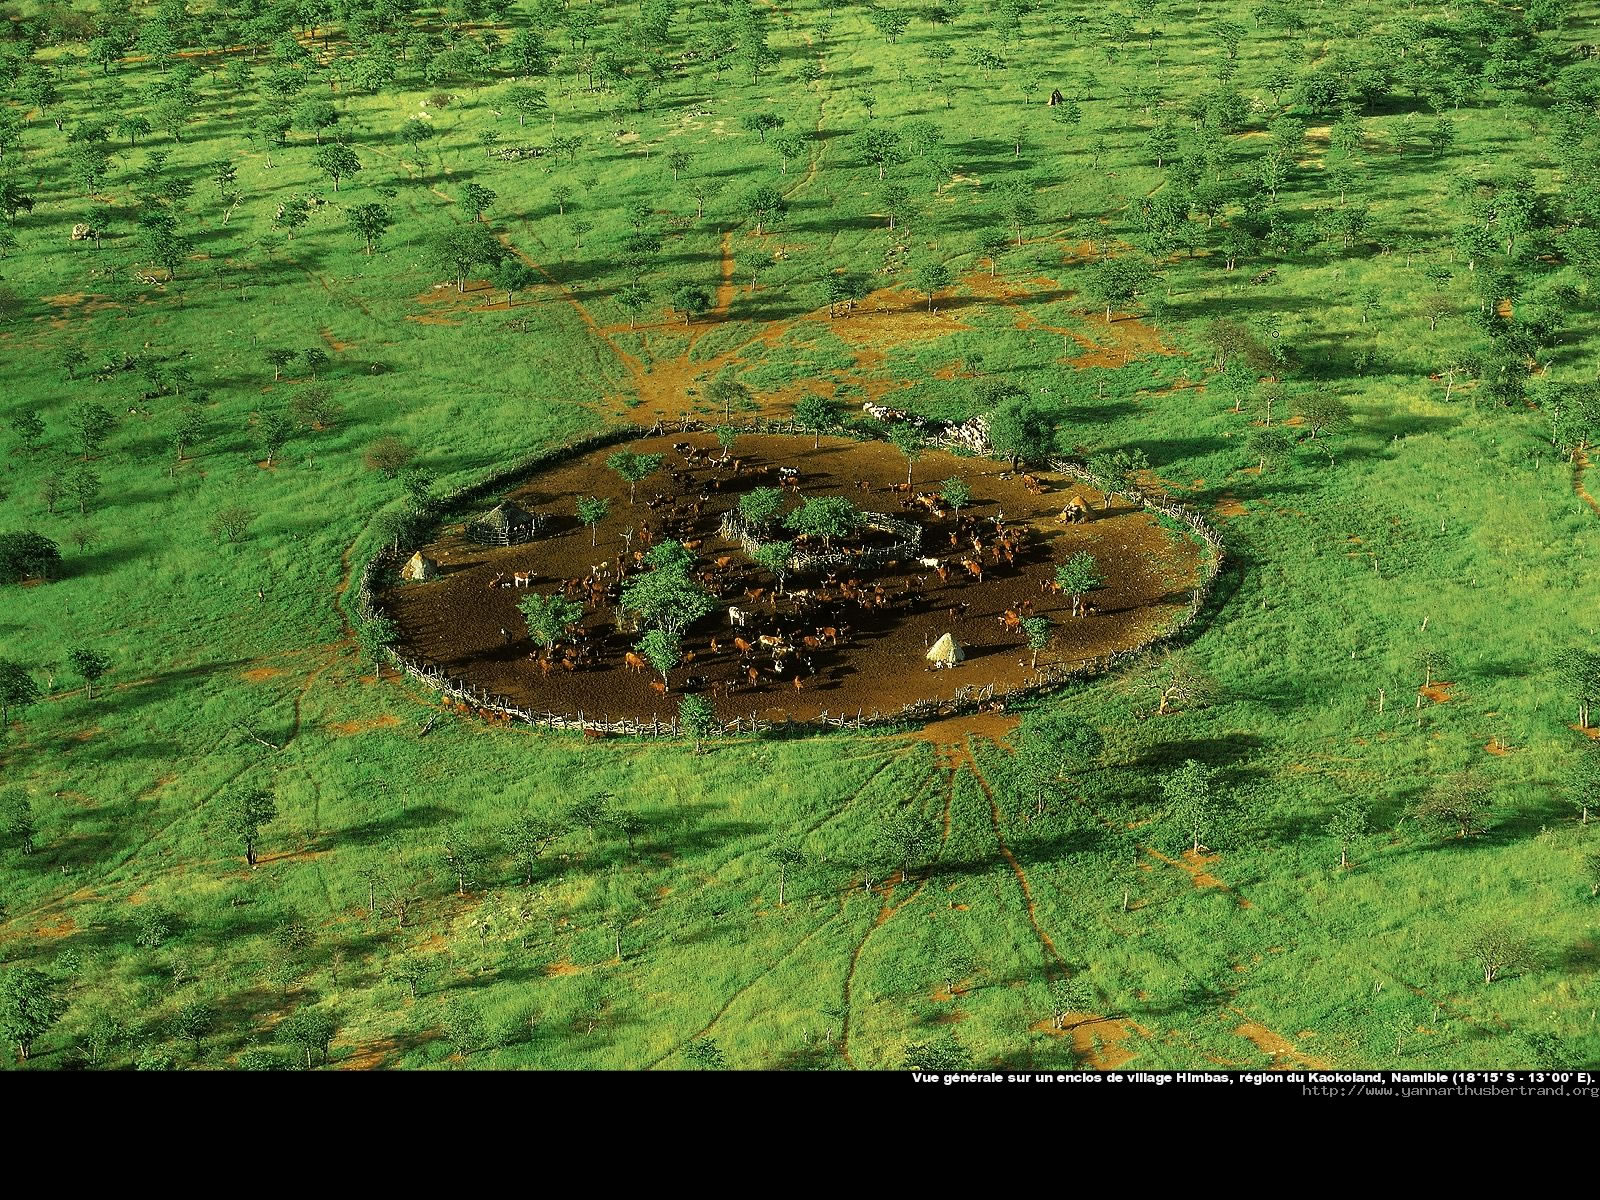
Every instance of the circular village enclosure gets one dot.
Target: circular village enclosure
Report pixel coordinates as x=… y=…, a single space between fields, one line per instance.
x=849 y=631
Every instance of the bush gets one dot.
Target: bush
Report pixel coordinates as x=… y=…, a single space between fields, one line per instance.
x=27 y=555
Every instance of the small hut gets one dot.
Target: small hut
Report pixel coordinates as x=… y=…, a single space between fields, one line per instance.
x=506 y=524
x=946 y=652
x=1077 y=509
x=419 y=568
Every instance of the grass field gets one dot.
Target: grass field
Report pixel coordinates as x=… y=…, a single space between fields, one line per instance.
x=1437 y=521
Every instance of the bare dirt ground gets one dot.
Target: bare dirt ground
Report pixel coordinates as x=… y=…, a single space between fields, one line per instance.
x=475 y=631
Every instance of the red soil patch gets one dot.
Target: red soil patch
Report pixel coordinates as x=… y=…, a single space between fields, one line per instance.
x=1194 y=866
x=334 y=343
x=1282 y=1052
x=1498 y=748
x=1226 y=506
x=261 y=674
x=456 y=621
x=1438 y=691
x=564 y=967
x=1098 y=1041
x=350 y=728
x=1593 y=731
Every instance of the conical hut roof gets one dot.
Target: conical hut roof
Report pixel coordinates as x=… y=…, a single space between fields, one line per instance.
x=946 y=652
x=508 y=514
x=419 y=566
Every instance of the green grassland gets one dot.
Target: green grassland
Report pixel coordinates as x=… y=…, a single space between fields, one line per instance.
x=1420 y=524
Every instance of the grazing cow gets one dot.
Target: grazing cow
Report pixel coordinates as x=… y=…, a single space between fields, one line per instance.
x=828 y=634
x=1050 y=586
x=1011 y=619
x=742 y=646
x=943 y=572
x=754 y=594
x=498 y=581
x=737 y=617
x=658 y=687
x=799 y=683
x=716 y=646
x=974 y=568
x=521 y=579
x=633 y=662
x=930 y=563
x=753 y=674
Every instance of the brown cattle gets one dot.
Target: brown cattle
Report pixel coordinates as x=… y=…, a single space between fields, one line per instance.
x=633 y=662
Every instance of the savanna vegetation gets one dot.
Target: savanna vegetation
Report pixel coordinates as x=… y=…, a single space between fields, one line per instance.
x=276 y=276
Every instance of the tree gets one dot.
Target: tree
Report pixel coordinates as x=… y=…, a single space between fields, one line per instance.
x=788 y=857
x=376 y=634
x=29 y=428
x=16 y=821
x=763 y=205
x=1591 y=872
x=30 y=1004
x=337 y=161
x=703 y=1052
x=1037 y=631
x=1117 y=282
x=1070 y=994
x=1577 y=669
x=937 y=1057
x=1459 y=803
x=477 y=199
x=28 y=555
x=880 y=147
x=1018 y=206
x=760 y=505
x=459 y=248
x=634 y=468
x=278 y=357
x=244 y=813
x=907 y=838
x=908 y=439
x=1193 y=808
x=1269 y=445
x=1021 y=428
x=1582 y=787
x=690 y=299
x=591 y=511
x=83 y=485
x=389 y=456
x=1499 y=950
x=310 y=1031
x=774 y=557
x=678 y=162
x=512 y=275
x=992 y=244
x=369 y=222
x=1347 y=826
x=815 y=414
x=955 y=492
x=525 y=840
x=931 y=277
x=697 y=719
x=1078 y=575
x=634 y=298
x=762 y=123
x=231 y=522
x=90 y=665
x=1324 y=413
x=273 y=429
x=1117 y=469
x=1177 y=683
x=725 y=391
x=663 y=650
x=665 y=596
x=825 y=517
x=91 y=425
x=528 y=102
x=548 y=618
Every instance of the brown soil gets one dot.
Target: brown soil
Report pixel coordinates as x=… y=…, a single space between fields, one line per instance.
x=261 y=674
x=1498 y=748
x=1282 y=1051
x=1086 y=1030
x=1194 y=866
x=1226 y=506
x=1438 y=691
x=350 y=728
x=456 y=621
x=334 y=343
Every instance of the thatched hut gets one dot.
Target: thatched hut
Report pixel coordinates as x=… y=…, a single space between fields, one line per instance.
x=419 y=568
x=506 y=524
x=946 y=652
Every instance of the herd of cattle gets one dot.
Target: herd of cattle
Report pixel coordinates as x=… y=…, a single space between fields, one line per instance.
x=776 y=635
